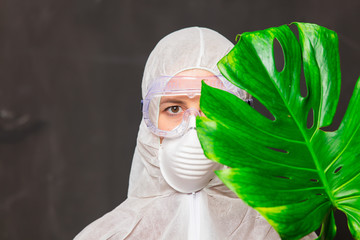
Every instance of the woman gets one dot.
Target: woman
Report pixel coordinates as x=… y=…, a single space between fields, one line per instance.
x=173 y=191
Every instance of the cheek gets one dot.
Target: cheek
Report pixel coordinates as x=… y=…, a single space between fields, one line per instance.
x=168 y=123
x=163 y=123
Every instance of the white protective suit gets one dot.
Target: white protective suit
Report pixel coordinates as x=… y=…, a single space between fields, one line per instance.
x=154 y=210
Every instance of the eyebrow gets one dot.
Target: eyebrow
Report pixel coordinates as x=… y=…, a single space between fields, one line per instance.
x=171 y=100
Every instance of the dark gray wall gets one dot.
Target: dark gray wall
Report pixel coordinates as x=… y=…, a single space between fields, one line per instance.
x=70 y=77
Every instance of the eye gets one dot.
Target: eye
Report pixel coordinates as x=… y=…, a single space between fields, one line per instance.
x=174 y=109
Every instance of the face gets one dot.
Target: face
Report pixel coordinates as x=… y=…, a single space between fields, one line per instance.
x=172 y=108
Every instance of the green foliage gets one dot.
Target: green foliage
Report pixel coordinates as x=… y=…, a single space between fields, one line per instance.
x=292 y=174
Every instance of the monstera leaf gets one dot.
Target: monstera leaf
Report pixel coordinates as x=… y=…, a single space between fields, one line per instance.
x=294 y=174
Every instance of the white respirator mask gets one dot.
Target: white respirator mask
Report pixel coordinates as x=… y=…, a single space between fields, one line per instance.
x=183 y=163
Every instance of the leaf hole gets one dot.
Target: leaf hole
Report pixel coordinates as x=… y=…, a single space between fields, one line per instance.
x=310 y=119
x=279 y=59
x=303 y=200
x=319 y=194
x=314 y=180
x=262 y=109
x=283 y=177
x=342 y=227
x=303 y=87
x=337 y=170
x=295 y=30
x=278 y=150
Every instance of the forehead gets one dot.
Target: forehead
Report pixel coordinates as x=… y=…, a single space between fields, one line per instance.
x=191 y=80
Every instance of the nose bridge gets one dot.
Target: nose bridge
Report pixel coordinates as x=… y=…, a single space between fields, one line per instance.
x=191 y=115
x=193 y=111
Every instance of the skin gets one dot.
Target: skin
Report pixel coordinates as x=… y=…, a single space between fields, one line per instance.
x=172 y=108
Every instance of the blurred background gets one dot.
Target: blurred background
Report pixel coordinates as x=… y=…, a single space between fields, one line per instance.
x=70 y=91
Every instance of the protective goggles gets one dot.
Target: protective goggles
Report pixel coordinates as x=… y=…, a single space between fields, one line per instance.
x=171 y=101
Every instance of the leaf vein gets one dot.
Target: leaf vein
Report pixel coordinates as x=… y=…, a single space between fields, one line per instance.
x=348 y=182
x=343 y=150
x=347 y=198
